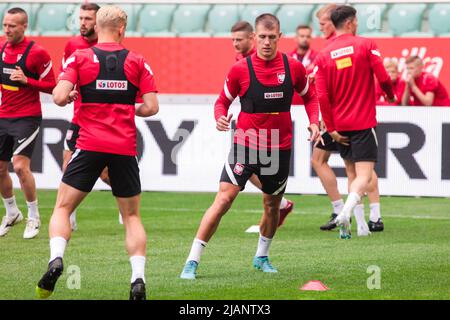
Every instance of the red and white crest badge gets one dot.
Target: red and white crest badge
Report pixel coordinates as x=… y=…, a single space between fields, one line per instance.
x=238 y=169
x=281 y=77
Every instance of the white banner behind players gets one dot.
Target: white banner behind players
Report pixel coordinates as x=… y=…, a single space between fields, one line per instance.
x=414 y=151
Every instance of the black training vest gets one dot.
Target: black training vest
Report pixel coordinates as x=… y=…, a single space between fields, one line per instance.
x=262 y=99
x=111 y=84
x=8 y=68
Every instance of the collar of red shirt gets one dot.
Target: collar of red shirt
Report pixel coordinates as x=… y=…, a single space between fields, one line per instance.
x=21 y=43
x=109 y=45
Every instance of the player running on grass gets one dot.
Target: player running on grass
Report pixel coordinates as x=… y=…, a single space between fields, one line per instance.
x=109 y=78
x=322 y=152
x=346 y=90
x=265 y=82
x=243 y=37
x=26 y=70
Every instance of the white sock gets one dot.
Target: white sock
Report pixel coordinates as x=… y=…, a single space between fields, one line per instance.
x=338 y=205
x=358 y=211
x=352 y=200
x=73 y=216
x=375 y=212
x=196 y=250
x=263 y=246
x=10 y=206
x=33 y=211
x=57 y=247
x=284 y=203
x=137 y=268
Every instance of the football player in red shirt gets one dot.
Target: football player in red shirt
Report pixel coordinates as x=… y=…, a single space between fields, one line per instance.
x=86 y=39
x=26 y=70
x=303 y=51
x=423 y=88
x=346 y=89
x=321 y=155
x=109 y=78
x=399 y=85
x=243 y=37
x=265 y=83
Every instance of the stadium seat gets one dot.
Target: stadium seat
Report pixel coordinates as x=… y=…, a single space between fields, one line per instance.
x=291 y=16
x=370 y=17
x=156 y=19
x=439 y=19
x=315 y=21
x=31 y=9
x=251 y=11
x=52 y=19
x=2 y=9
x=132 y=14
x=405 y=18
x=189 y=20
x=221 y=18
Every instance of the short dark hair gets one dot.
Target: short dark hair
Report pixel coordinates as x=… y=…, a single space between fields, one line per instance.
x=268 y=20
x=90 y=6
x=341 y=14
x=17 y=10
x=242 y=26
x=303 y=26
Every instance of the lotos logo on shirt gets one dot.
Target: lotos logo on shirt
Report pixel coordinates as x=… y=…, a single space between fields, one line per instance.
x=341 y=52
x=273 y=95
x=112 y=85
x=8 y=70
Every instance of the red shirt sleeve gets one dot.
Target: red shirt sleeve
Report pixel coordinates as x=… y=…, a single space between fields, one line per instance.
x=146 y=79
x=40 y=62
x=70 y=69
x=307 y=92
x=322 y=94
x=228 y=94
x=67 y=53
x=378 y=69
x=430 y=83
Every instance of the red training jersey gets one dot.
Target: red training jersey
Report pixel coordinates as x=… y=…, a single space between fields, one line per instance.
x=345 y=83
x=427 y=82
x=268 y=73
x=307 y=60
x=18 y=102
x=76 y=43
x=399 y=88
x=107 y=127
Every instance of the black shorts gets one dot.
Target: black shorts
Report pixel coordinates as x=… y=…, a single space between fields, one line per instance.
x=85 y=167
x=73 y=132
x=272 y=168
x=329 y=143
x=18 y=136
x=363 y=145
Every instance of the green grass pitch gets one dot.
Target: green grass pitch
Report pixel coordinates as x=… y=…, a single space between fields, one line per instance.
x=412 y=254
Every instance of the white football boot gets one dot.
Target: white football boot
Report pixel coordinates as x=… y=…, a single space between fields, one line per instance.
x=32 y=228
x=8 y=222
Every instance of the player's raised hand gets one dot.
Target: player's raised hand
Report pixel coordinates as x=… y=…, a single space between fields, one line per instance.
x=19 y=76
x=339 y=138
x=223 y=123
